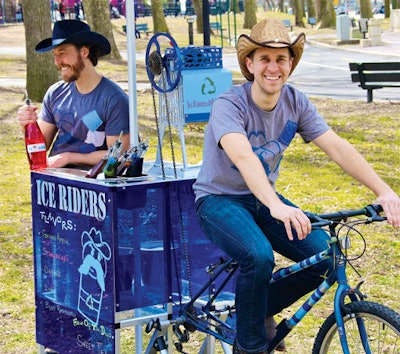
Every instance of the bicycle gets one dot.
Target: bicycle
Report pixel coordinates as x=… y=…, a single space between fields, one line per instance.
x=355 y=325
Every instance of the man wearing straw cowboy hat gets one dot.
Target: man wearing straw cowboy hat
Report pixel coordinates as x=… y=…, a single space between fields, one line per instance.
x=85 y=112
x=250 y=128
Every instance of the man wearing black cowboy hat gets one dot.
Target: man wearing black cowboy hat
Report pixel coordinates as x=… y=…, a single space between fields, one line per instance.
x=85 y=112
x=249 y=129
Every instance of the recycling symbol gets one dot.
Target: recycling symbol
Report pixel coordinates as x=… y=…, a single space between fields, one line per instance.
x=208 y=87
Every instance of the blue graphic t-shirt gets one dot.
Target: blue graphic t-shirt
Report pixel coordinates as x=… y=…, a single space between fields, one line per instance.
x=269 y=133
x=84 y=120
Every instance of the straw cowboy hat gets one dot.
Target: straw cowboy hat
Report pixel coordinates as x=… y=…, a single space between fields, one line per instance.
x=269 y=33
x=74 y=32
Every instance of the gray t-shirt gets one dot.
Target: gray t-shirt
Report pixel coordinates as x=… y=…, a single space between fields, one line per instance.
x=269 y=133
x=84 y=120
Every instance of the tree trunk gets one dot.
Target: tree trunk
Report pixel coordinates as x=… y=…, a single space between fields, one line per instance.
x=98 y=16
x=365 y=9
x=298 y=13
x=41 y=71
x=159 y=23
x=311 y=9
x=281 y=5
x=387 y=8
x=326 y=16
x=250 y=13
x=198 y=10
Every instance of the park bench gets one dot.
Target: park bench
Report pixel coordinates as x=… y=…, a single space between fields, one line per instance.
x=287 y=23
x=216 y=26
x=143 y=27
x=312 y=21
x=172 y=11
x=140 y=27
x=372 y=76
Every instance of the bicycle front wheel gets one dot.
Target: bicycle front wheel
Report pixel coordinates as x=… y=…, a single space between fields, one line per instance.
x=382 y=328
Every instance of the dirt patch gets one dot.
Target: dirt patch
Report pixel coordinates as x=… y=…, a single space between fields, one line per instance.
x=12 y=36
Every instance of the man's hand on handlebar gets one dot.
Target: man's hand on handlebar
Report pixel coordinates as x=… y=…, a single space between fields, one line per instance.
x=390 y=203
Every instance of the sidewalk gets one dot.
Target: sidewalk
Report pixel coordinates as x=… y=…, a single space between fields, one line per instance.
x=390 y=44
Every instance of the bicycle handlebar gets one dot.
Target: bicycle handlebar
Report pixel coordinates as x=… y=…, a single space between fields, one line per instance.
x=372 y=212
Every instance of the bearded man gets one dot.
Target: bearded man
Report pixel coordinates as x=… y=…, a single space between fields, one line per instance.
x=83 y=114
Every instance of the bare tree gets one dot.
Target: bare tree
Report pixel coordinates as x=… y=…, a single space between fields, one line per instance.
x=310 y=8
x=159 y=22
x=298 y=12
x=250 y=13
x=387 y=8
x=41 y=71
x=98 y=16
x=198 y=10
x=326 y=16
x=365 y=9
x=281 y=5
x=8 y=10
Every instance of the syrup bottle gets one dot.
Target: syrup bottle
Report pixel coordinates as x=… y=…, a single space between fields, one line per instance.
x=110 y=169
x=35 y=145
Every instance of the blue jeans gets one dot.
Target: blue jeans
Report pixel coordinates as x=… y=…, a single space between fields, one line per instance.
x=245 y=230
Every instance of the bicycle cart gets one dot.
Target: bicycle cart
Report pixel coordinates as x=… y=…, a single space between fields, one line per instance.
x=109 y=255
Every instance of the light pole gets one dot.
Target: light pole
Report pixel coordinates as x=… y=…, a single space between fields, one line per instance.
x=2 y=12
x=190 y=19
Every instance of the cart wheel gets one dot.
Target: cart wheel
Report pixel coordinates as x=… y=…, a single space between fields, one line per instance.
x=164 y=72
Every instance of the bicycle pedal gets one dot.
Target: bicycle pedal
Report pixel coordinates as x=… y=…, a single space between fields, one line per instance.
x=183 y=336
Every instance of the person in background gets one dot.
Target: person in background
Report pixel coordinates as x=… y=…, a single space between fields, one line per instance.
x=250 y=127
x=77 y=8
x=83 y=114
x=61 y=8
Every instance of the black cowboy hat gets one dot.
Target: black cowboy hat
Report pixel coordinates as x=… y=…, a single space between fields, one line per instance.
x=74 y=32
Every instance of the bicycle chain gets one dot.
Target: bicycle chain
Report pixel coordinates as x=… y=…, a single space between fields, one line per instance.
x=158 y=132
x=171 y=142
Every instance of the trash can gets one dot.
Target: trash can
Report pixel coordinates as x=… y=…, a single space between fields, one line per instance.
x=343 y=28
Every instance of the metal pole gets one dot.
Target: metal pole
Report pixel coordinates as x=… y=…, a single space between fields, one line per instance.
x=190 y=33
x=220 y=22
x=234 y=23
x=131 y=39
x=229 y=21
x=2 y=12
x=206 y=23
x=190 y=19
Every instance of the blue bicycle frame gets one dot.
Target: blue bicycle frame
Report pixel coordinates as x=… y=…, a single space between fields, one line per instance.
x=343 y=290
x=226 y=332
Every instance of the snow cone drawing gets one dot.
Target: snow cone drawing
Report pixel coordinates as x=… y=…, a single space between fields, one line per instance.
x=93 y=272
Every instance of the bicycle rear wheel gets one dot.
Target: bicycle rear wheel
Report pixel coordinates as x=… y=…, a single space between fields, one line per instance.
x=382 y=326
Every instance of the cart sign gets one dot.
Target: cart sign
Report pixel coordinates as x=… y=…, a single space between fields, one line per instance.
x=73 y=268
x=200 y=89
x=106 y=252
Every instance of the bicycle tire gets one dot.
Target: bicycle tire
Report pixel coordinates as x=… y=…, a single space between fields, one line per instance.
x=382 y=325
